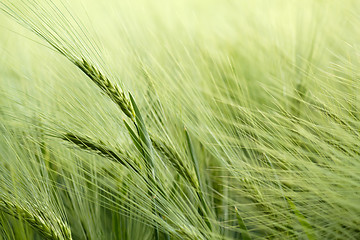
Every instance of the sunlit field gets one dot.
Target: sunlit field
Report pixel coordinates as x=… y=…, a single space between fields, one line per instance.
x=191 y=119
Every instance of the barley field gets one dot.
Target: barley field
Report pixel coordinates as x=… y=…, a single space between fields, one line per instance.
x=192 y=119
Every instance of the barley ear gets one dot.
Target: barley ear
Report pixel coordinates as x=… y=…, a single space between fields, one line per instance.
x=109 y=88
x=49 y=228
x=174 y=158
x=99 y=148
